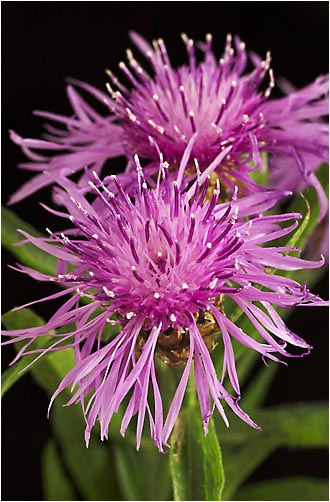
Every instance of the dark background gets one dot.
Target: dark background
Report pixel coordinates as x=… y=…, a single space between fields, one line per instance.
x=44 y=42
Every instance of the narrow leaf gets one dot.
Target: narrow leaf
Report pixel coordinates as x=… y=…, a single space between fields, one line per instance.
x=26 y=253
x=130 y=466
x=255 y=394
x=21 y=319
x=56 y=484
x=242 y=460
x=299 y=424
x=244 y=449
x=294 y=488
x=92 y=468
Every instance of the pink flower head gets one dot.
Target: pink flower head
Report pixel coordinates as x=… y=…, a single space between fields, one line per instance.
x=218 y=100
x=161 y=266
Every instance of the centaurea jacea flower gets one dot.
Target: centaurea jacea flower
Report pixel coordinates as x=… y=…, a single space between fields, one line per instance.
x=160 y=266
x=218 y=99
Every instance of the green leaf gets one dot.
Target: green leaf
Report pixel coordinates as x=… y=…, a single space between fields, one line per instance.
x=49 y=369
x=255 y=394
x=294 y=488
x=131 y=465
x=303 y=425
x=92 y=468
x=242 y=460
x=299 y=424
x=195 y=460
x=24 y=318
x=56 y=484
x=28 y=254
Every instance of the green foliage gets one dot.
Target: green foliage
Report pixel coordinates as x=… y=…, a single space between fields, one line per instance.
x=195 y=460
x=16 y=320
x=143 y=474
x=92 y=469
x=56 y=484
x=294 y=488
x=301 y=425
x=27 y=253
x=256 y=392
x=49 y=368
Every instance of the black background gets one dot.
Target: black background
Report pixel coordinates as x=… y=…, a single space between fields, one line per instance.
x=44 y=42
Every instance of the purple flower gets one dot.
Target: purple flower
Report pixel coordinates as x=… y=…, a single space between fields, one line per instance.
x=163 y=266
x=218 y=100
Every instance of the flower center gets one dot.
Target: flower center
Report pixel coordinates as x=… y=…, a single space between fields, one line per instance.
x=173 y=346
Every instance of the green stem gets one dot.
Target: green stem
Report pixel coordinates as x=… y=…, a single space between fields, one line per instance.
x=191 y=391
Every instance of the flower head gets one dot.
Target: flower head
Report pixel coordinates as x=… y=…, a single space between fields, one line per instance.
x=218 y=101
x=161 y=266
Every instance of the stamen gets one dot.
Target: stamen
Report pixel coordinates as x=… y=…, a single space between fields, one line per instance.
x=192 y=228
x=128 y=74
x=155 y=126
x=136 y=275
x=108 y=292
x=147 y=231
x=177 y=253
x=205 y=253
x=115 y=81
x=222 y=107
x=205 y=187
x=201 y=87
x=166 y=234
x=131 y=115
x=192 y=121
x=271 y=83
x=159 y=108
x=134 y=253
x=122 y=228
x=183 y=99
x=176 y=199
x=211 y=205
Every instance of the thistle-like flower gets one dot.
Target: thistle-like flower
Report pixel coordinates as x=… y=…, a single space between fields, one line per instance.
x=219 y=101
x=163 y=267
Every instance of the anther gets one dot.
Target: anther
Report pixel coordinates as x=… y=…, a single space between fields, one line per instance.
x=192 y=228
x=131 y=115
x=192 y=121
x=213 y=283
x=108 y=292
